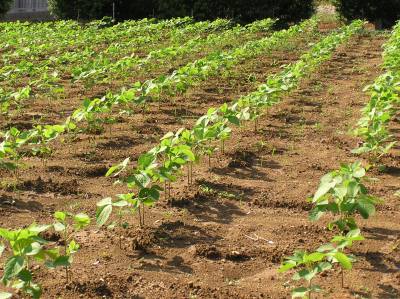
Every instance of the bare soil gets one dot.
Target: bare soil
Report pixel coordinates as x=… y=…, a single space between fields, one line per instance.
x=225 y=236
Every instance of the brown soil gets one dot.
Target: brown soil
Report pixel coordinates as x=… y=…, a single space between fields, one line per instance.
x=225 y=236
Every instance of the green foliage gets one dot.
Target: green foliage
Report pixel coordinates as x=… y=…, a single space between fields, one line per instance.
x=67 y=224
x=324 y=258
x=384 y=13
x=5 y=6
x=373 y=127
x=86 y=10
x=343 y=194
x=310 y=264
x=25 y=247
x=286 y=11
x=165 y=162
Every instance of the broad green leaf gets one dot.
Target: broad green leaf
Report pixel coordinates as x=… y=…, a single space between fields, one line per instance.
x=4 y=295
x=60 y=216
x=343 y=260
x=105 y=202
x=287 y=266
x=305 y=274
x=14 y=265
x=2 y=248
x=59 y=227
x=38 y=228
x=103 y=214
x=314 y=257
x=61 y=261
x=73 y=247
x=33 y=249
x=117 y=169
x=120 y=203
x=300 y=292
x=323 y=189
x=25 y=275
x=6 y=234
x=359 y=172
x=145 y=161
x=323 y=266
x=366 y=207
x=81 y=220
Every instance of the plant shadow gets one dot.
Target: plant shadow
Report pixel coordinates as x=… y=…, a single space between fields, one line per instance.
x=8 y=202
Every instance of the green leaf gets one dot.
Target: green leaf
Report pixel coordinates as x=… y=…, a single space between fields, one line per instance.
x=359 y=172
x=105 y=202
x=61 y=261
x=73 y=247
x=117 y=169
x=14 y=265
x=25 y=275
x=38 y=228
x=2 y=248
x=314 y=257
x=59 y=227
x=323 y=189
x=343 y=260
x=6 y=234
x=81 y=220
x=103 y=214
x=4 y=295
x=300 y=292
x=366 y=207
x=304 y=274
x=145 y=161
x=323 y=266
x=287 y=266
x=60 y=216
x=234 y=120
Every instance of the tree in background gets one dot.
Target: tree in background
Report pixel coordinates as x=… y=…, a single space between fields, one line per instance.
x=240 y=10
x=81 y=9
x=383 y=13
x=5 y=6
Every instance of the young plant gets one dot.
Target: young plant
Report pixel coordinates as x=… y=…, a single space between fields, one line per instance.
x=26 y=246
x=67 y=224
x=310 y=264
x=335 y=251
x=343 y=194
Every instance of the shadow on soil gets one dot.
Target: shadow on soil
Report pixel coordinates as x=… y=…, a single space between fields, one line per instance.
x=7 y=202
x=379 y=233
x=247 y=165
x=388 y=292
x=207 y=209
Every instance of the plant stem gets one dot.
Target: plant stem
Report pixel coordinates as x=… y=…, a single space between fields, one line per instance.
x=140 y=217
x=342 y=278
x=143 y=214
x=191 y=173
x=65 y=251
x=165 y=191
x=188 y=174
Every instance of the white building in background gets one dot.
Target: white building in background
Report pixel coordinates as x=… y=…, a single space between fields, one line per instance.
x=28 y=10
x=21 y=6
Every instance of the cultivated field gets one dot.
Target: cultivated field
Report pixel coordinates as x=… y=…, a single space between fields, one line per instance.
x=183 y=159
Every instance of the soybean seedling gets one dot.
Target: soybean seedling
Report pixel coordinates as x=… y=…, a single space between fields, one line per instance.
x=343 y=194
x=67 y=224
x=26 y=246
x=310 y=265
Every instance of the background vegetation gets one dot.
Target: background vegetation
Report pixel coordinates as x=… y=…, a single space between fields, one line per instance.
x=4 y=6
x=240 y=10
x=383 y=13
